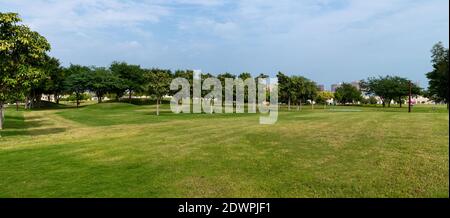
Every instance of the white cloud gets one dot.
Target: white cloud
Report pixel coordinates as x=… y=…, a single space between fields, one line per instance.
x=86 y=14
x=253 y=35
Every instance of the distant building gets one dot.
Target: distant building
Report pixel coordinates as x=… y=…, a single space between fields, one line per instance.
x=335 y=86
x=356 y=84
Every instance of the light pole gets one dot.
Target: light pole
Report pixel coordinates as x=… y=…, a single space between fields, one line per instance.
x=409 y=103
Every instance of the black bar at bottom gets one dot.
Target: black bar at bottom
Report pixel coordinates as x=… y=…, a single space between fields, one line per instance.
x=224 y=207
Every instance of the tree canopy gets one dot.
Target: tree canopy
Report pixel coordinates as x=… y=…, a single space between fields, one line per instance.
x=21 y=51
x=347 y=94
x=158 y=84
x=132 y=77
x=438 y=78
x=389 y=88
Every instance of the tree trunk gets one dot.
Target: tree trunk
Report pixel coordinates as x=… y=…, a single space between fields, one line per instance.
x=17 y=105
x=129 y=96
x=99 y=97
x=400 y=102
x=1 y=115
x=312 y=105
x=300 y=105
x=78 y=99
x=289 y=103
x=157 y=106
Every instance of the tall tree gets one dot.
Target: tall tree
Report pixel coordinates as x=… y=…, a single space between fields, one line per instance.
x=21 y=49
x=297 y=90
x=54 y=84
x=222 y=78
x=284 y=89
x=102 y=81
x=438 y=78
x=311 y=92
x=77 y=81
x=158 y=84
x=347 y=93
x=189 y=76
x=245 y=76
x=131 y=76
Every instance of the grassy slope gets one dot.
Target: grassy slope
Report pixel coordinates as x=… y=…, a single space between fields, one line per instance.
x=121 y=150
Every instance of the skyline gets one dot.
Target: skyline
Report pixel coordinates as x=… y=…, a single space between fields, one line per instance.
x=328 y=41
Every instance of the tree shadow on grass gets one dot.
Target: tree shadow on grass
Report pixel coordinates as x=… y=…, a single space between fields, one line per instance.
x=19 y=122
x=32 y=132
x=16 y=125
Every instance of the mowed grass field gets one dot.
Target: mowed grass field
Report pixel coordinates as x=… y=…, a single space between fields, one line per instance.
x=123 y=150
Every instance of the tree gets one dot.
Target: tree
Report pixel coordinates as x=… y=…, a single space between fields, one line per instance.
x=438 y=78
x=389 y=88
x=347 y=93
x=301 y=89
x=267 y=90
x=323 y=97
x=131 y=76
x=372 y=100
x=21 y=50
x=243 y=77
x=285 y=91
x=55 y=80
x=102 y=81
x=401 y=91
x=77 y=81
x=188 y=75
x=225 y=89
x=158 y=84
x=310 y=92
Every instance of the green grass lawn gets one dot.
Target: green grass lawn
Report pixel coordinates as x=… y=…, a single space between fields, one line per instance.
x=122 y=150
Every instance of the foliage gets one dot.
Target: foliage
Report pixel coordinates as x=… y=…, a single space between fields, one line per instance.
x=347 y=94
x=132 y=77
x=438 y=78
x=158 y=84
x=296 y=89
x=101 y=81
x=54 y=84
x=21 y=52
x=77 y=81
x=324 y=96
x=390 y=88
x=73 y=97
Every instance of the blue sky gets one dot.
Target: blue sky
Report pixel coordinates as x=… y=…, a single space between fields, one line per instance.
x=328 y=41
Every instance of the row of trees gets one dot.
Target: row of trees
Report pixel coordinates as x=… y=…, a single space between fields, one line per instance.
x=27 y=72
x=295 y=90
x=438 y=78
x=22 y=54
x=390 y=88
